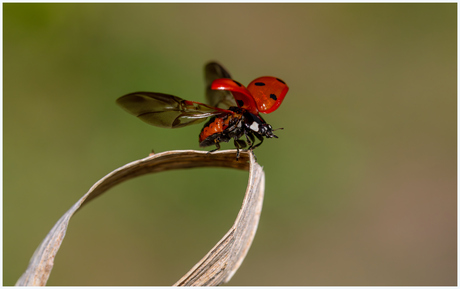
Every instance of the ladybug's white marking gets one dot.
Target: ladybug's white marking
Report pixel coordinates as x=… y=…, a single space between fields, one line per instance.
x=254 y=126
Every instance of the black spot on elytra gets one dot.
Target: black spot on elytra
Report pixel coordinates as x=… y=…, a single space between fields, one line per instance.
x=259 y=84
x=240 y=102
x=281 y=81
x=272 y=96
x=239 y=84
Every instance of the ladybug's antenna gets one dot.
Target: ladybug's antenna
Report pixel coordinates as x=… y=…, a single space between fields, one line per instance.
x=272 y=134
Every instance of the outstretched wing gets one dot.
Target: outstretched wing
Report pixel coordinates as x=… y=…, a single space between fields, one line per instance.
x=268 y=93
x=217 y=98
x=240 y=93
x=166 y=110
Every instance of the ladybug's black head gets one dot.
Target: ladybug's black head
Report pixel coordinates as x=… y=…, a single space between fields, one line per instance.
x=257 y=124
x=267 y=131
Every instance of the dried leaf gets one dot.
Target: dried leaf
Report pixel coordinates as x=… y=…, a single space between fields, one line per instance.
x=222 y=261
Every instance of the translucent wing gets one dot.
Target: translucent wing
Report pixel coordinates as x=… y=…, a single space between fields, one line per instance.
x=242 y=96
x=166 y=110
x=217 y=98
x=268 y=92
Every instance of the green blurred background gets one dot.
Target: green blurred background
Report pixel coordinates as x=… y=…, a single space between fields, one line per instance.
x=360 y=185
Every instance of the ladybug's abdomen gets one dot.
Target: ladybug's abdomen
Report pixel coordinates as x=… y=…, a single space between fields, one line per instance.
x=215 y=125
x=220 y=129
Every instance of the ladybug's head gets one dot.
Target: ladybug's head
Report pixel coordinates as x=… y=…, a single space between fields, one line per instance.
x=262 y=128
x=266 y=130
x=257 y=124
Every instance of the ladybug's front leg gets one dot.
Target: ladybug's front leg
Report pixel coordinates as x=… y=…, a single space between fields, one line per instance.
x=261 y=138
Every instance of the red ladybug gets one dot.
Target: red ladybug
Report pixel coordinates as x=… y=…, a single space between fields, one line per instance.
x=234 y=108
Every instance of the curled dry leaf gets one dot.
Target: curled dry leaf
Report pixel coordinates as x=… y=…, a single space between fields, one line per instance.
x=219 y=264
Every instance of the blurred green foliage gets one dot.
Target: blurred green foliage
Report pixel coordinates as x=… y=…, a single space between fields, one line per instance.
x=360 y=185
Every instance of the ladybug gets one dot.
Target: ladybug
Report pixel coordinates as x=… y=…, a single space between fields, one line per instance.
x=233 y=108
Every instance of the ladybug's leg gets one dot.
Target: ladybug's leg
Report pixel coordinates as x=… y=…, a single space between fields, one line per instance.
x=250 y=138
x=251 y=148
x=217 y=148
x=261 y=138
x=238 y=144
x=241 y=143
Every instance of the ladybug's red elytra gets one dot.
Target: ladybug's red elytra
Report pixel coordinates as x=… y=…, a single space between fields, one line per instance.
x=233 y=108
